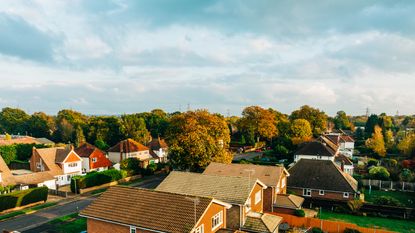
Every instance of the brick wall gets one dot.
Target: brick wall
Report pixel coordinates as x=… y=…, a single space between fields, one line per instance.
x=327 y=194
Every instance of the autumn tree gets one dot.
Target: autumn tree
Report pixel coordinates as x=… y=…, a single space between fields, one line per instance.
x=259 y=122
x=13 y=121
x=341 y=121
x=133 y=126
x=407 y=145
x=300 y=131
x=376 y=142
x=79 y=136
x=371 y=122
x=316 y=118
x=197 y=138
x=389 y=139
x=66 y=123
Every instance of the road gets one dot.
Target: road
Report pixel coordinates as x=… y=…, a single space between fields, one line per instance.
x=247 y=156
x=29 y=221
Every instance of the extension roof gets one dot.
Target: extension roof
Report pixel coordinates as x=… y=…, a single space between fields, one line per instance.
x=230 y=189
x=269 y=175
x=156 y=210
x=263 y=223
x=128 y=146
x=289 y=201
x=320 y=174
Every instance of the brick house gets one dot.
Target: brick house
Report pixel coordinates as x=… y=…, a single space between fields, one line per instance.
x=243 y=193
x=274 y=177
x=132 y=210
x=61 y=162
x=321 y=179
x=93 y=159
x=130 y=149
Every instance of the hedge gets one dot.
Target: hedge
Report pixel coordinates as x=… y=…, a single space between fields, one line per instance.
x=18 y=151
x=22 y=198
x=96 y=178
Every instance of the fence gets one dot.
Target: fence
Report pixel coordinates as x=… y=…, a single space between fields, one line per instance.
x=389 y=185
x=58 y=193
x=325 y=225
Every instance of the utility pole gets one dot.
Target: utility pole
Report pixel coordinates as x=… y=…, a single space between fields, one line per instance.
x=367 y=112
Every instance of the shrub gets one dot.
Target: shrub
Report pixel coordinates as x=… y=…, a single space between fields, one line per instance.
x=281 y=150
x=372 y=162
x=8 y=201
x=350 y=230
x=299 y=213
x=36 y=194
x=316 y=230
x=354 y=205
x=96 y=178
x=379 y=172
x=131 y=165
x=22 y=198
x=385 y=200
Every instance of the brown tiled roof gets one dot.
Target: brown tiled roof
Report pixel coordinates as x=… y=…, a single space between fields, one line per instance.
x=320 y=174
x=269 y=175
x=289 y=201
x=346 y=138
x=48 y=155
x=157 y=143
x=263 y=223
x=161 y=211
x=33 y=178
x=230 y=189
x=315 y=148
x=6 y=175
x=127 y=146
x=62 y=153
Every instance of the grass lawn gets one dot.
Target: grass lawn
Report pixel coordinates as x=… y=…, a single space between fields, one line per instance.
x=26 y=211
x=406 y=198
x=69 y=224
x=366 y=221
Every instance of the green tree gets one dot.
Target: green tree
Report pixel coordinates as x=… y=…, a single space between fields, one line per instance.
x=79 y=136
x=197 y=138
x=379 y=172
x=13 y=121
x=133 y=126
x=376 y=142
x=101 y=144
x=406 y=175
x=104 y=128
x=341 y=121
x=41 y=125
x=316 y=118
x=371 y=122
x=66 y=123
x=300 y=131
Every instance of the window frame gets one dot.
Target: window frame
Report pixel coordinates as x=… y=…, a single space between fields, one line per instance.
x=306 y=191
x=321 y=192
x=94 y=160
x=346 y=195
x=200 y=229
x=217 y=220
x=258 y=198
x=133 y=229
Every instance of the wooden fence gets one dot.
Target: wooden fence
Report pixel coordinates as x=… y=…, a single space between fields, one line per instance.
x=389 y=185
x=325 y=225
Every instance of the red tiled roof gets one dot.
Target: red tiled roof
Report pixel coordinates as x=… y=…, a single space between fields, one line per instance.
x=87 y=150
x=127 y=146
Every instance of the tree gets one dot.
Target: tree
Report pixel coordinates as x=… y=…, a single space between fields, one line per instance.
x=341 y=121
x=407 y=145
x=66 y=123
x=389 y=140
x=79 y=136
x=13 y=121
x=406 y=175
x=197 y=138
x=316 y=118
x=376 y=142
x=371 y=122
x=300 y=131
x=133 y=126
x=262 y=123
x=41 y=125
x=104 y=128
x=379 y=172
x=101 y=144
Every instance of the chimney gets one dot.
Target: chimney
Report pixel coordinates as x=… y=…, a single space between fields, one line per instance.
x=342 y=166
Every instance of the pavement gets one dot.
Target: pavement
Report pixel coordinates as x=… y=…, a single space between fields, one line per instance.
x=29 y=222
x=247 y=156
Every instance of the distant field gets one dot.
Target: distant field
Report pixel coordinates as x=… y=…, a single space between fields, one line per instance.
x=364 y=221
x=406 y=198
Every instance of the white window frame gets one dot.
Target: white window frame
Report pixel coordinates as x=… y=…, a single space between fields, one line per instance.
x=248 y=205
x=258 y=197
x=346 y=195
x=133 y=230
x=200 y=229
x=38 y=165
x=72 y=164
x=94 y=160
x=217 y=220
x=307 y=192
x=321 y=192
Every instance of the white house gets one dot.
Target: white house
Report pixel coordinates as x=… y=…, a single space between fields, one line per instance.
x=159 y=150
x=130 y=149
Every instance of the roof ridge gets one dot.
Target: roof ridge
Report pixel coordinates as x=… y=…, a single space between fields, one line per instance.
x=343 y=174
x=160 y=191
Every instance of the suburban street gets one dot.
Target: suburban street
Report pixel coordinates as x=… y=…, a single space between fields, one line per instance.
x=26 y=223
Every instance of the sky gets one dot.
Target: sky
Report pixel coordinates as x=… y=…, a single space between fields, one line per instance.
x=116 y=56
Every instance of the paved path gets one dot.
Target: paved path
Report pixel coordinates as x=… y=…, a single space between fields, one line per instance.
x=29 y=221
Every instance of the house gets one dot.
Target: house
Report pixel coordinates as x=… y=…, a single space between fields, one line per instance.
x=17 y=139
x=344 y=163
x=274 y=177
x=321 y=179
x=61 y=162
x=245 y=194
x=130 y=149
x=93 y=159
x=25 y=181
x=318 y=149
x=344 y=142
x=132 y=210
x=159 y=149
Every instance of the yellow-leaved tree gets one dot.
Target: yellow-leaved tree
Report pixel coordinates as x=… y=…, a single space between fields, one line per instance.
x=376 y=142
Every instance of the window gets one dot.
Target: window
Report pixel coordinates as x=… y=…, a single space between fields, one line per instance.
x=248 y=205
x=307 y=192
x=72 y=165
x=38 y=165
x=346 y=195
x=321 y=192
x=200 y=229
x=258 y=197
x=69 y=177
x=94 y=160
x=217 y=220
x=133 y=230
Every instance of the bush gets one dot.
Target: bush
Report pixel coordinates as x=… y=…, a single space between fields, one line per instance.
x=350 y=230
x=385 y=200
x=379 y=172
x=299 y=213
x=281 y=150
x=22 y=198
x=21 y=152
x=131 y=165
x=372 y=162
x=96 y=178
x=316 y=230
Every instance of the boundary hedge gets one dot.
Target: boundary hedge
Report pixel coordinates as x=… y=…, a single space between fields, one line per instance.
x=22 y=198
x=96 y=178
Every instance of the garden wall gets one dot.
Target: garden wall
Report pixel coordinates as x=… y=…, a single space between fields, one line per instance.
x=390 y=185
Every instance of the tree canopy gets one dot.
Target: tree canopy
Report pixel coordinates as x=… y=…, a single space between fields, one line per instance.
x=316 y=118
